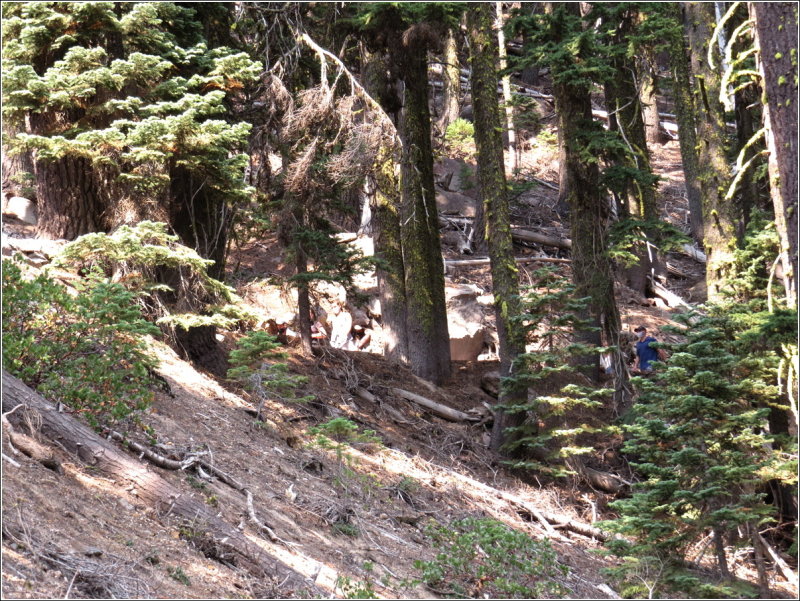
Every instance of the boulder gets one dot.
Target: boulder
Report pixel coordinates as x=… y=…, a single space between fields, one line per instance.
x=21 y=208
x=455 y=203
x=466 y=322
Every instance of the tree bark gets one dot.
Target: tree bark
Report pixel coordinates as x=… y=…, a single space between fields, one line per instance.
x=428 y=338
x=589 y=213
x=714 y=174
x=451 y=104
x=69 y=202
x=493 y=191
x=624 y=101
x=685 y=117
x=506 y=83
x=388 y=248
x=776 y=27
x=647 y=95
x=87 y=446
x=386 y=214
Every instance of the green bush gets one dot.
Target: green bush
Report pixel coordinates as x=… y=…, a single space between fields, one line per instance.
x=255 y=366
x=85 y=351
x=484 y=558
x=339 y=433
x=170 y=281
x=563 y=417
x=459 y=138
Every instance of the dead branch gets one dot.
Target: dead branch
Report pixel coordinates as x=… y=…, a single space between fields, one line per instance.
x=443 y=411
x=485 y=261
x=782 y=566
x=672 y=299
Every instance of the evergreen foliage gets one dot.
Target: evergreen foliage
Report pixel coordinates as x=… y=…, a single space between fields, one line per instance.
x=563 y=411
x=483 y=558
x=255 y=364
x=131 y=87
x=143 y=258
x=86 y=351
x=697 y=440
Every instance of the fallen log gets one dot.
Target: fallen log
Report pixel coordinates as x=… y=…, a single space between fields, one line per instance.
x=485 y=261
x=695 y=253
x=443 y=411
x=782 y=566
x=147 y=486
x=529 y=236
x=672 y=299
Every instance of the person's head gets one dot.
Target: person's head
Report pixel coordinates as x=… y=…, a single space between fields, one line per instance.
x=641 y=332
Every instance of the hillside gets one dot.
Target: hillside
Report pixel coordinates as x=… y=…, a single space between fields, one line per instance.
x=341 y=524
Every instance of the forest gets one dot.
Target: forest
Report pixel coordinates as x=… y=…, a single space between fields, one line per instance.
x=399 y=300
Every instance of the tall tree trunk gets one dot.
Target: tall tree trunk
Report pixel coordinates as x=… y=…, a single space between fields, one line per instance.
x=647 y=95
x=562 y=202
x=451 y=104
x=493 y=190
x=776 y=27
x=589 y=214
x=625 y=102
x=428 y=339
x=714 y=173
x=685 y=116
x=388 y=247
x=201 y=220
x=506 y=81
x=386 y=214
x=303 y=301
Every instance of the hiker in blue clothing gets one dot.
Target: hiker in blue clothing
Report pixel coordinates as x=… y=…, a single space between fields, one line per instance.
x=645 y=354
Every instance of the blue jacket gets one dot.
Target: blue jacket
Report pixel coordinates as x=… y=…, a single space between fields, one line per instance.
x=646 y=353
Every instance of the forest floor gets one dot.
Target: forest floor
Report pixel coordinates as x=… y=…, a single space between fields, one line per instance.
x=345 y=521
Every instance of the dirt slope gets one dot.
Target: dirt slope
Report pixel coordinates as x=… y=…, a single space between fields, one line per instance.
x=79 y=533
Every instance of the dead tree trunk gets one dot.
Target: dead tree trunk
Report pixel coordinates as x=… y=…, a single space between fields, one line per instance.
x=150 y=488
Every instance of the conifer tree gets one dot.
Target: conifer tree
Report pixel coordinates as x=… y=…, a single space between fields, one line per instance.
x=569 y=50
x=408 y=31
x=145 y=93
x=697 y=443
x=121 y=106
x=714 y=173
x=484 y=57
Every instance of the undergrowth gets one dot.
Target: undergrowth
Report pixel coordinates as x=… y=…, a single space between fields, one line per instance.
x=484 y=558
x=85 y=351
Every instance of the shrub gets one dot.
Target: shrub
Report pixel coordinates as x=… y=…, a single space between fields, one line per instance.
x=484 y=558
x=697 y=441
x=254 y=366
x=339 y=433
x=85 y=351
x=460 y=138
x=170 y=281
x=563 y=416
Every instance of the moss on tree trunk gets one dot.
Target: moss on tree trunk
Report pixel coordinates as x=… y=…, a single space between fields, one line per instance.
x=714 y=174
x=428 y=339
x=685 y=117
x=776 y=24
x=493 y=191
x=388 y=248
x=591 y=265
